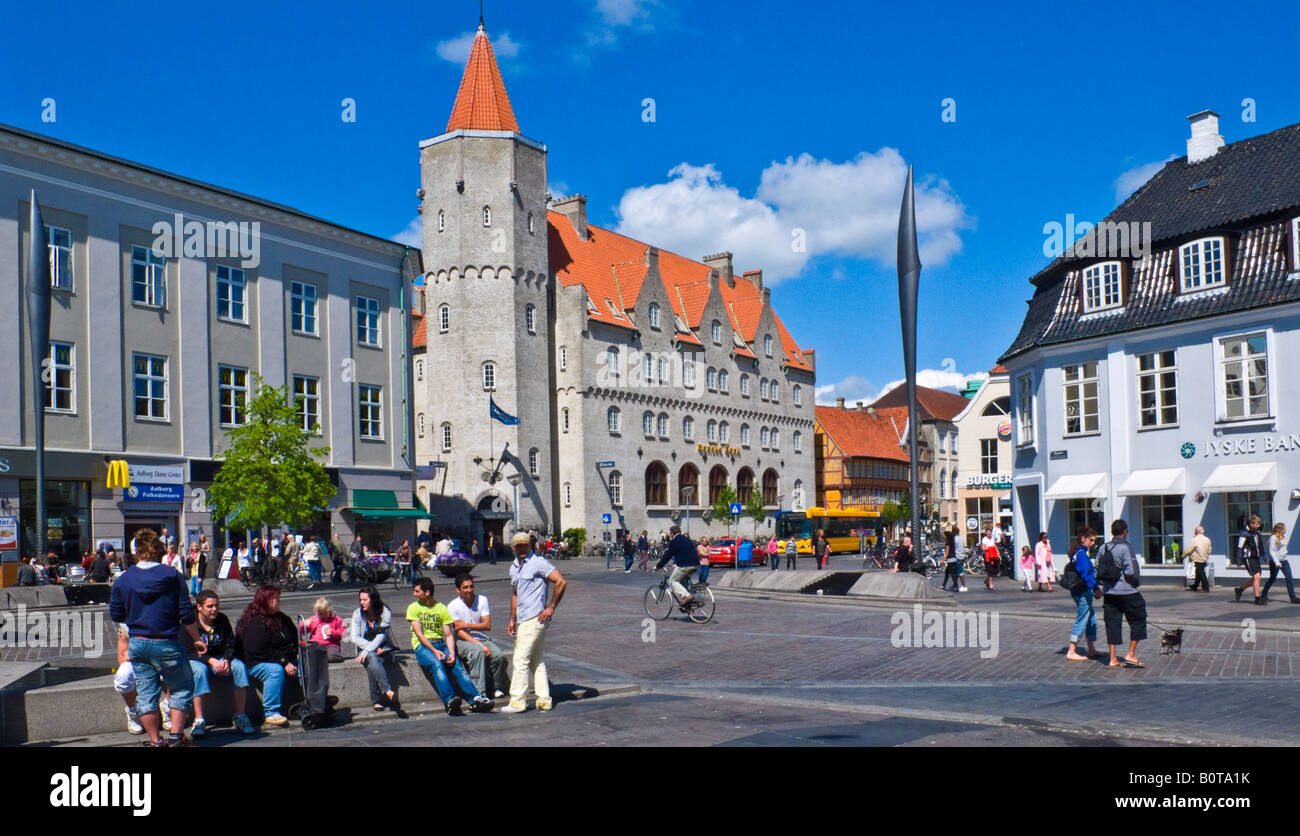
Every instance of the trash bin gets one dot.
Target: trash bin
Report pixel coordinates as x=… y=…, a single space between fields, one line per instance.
x=745 y=554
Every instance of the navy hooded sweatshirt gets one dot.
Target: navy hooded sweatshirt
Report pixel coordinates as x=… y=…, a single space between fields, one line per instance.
x=151 y=600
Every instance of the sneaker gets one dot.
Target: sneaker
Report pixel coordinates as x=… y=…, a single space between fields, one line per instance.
x=166 y=708
x=133 y=721
x=178 y=741
x=627 y=571
x=149 y=744
x=964 y=589
x=244 y=725
x=481 y=704
x=199 y=728
x=276 y=719
x=1260 y=601
x=514 y=709
x=453 y=706
x=547 y=707
x=496 y=695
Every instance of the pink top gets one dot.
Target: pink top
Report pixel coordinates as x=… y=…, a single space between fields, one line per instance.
x=314 y=627
x=1026 y=560
x=771 y=546
x=1043 y=553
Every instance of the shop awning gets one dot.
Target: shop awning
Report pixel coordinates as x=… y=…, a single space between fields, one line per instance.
x=1077 y=486
x=391 y=513
x=1259 y=476
x=1164 y=480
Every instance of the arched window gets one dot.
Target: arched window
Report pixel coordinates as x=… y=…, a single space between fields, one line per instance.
x=648 y=367
x=419 y=424
x=444 y=319
x=612 y=418
x=711 y=432
x=564 y=358
x=715 y=330
x=797 y=439
x=611 y=362
x=487 y=216
x=656 y=484
x=717 y=481
x=648 y=423
x=568 y=495
x=762 y=438
x=564 y=419
x=654 y=315
x=663 y=425
x=1000 y=406
x=688 y=428
x=796 y=498
x=772 y=391
x=711 y=379
x=663 y=371
x=745 y=484
x=744 y=385
x=769 y=487
x=767 y=345
x=688 y=477
x=489 y=376
x=688 y=373
x=762 y=388
x=798 y=399
x=952 y=493
x=419 y=370
x=722 y=380
x=530 y=319
x=775 y=439
x=744 y=435
x=442 y=220
x=446 y=438
x=943 y=483
x=616 y=487
x=534 y=466
x=723 y=432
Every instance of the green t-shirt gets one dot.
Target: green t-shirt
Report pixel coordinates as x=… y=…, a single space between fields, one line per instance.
x=431 y=619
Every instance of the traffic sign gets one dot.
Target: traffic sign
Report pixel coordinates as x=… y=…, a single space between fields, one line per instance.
x=606 y=519
x=735 y=509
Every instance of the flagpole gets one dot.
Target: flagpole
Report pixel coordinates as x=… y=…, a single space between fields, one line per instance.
x=909 y=274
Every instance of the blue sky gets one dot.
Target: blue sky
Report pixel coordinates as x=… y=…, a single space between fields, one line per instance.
x=769 y=117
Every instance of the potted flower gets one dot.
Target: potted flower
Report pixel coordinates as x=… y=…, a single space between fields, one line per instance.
x=452 y=564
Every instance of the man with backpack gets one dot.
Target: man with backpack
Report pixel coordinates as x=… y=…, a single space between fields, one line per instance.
x=1120 y=577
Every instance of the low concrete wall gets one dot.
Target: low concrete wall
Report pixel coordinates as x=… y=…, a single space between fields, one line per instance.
x=906 y=586
x=788 y=581
x=33 y=596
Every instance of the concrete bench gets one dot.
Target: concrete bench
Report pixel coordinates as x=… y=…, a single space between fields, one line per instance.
x=51 y=595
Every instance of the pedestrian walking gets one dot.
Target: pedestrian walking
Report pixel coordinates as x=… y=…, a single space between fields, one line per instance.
x=630 y=550
x=1085 y=621
x=643 y=553
x=773 y=552
x=1028 y=569
x=951 y=563
x=1043 y=557
x=1120 y=578
x=530 y=615
x=1252 y=550
x=311 y=554
x=1277 y=561
x=1198 y=550
x=992 y=558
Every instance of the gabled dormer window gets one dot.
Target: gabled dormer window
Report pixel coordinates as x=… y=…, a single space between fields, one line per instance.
x=767 y=345
x=715 y=331
x=1295 y=244
x=1101 y=287
x=654 y=315
x=1200 y=265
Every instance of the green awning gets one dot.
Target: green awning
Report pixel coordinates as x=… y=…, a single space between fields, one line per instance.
x=391 y=513
x=374 y=499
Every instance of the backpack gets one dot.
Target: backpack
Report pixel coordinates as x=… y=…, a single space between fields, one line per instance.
x=1109 y=569
x=1071 y=580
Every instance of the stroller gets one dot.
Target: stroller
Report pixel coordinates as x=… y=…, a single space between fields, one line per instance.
x=316 y=708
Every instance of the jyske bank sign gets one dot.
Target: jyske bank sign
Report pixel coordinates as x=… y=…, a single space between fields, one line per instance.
x=1278 y=443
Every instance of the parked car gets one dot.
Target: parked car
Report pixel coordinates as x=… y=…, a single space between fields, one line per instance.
x=723 y=552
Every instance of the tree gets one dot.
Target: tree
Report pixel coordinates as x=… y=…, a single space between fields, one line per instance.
x=270 y=473
x=755 y=510
x=722 y=508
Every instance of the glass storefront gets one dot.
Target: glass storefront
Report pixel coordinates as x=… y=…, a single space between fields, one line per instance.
x=981 y=508
x=1080 y=512
x=1240 y=507
x=67 y=517
x=1162 y=529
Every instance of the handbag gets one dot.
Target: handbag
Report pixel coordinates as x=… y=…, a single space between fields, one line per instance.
x=1071 y=580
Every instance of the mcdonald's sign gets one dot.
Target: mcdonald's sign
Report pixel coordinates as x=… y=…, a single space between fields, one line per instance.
x=119 y=474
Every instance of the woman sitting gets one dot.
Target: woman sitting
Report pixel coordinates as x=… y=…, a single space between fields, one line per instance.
x=267 y=641
x=372 y=634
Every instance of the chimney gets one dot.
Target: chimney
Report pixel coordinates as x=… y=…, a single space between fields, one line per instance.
x=755 y=276
x=839 y=403
x=419 y=300
x=722 y=263
x=767 y=296
x=652 y=258
x=1205 y=140
x=871 y=410
x=859 y=406
x=574 y=208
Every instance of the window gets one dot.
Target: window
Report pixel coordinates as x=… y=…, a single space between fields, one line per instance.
x=148 y=278
x=722 y=381
x=489 y=377
x=745 y=485
x=688 y=374
x=772 y=391
x=717 y=481
x=653 y=315
x=60 y=246
x=446 y=438
x=648 y=367
x=611 y=417
x=1241 y=506
x=419 y=425
x=370 y=411
x=1024 y=411
x=998 y=406
x=762 y=388
x=656 y=484
x=444 y=319
x=744 y=435
x=534 y=464
x=150 y=386
x=688 y=428
x=688 y=477
x=302 y=307
x=797 y=438
x=564 y=419
x=1157 y=390
x=988 y=455
x=530 y=319
x=796 y=500
x=723 y=432
x=712 y=379
x=663 y=425
x=767 y=345
x=711 y=432
x=60 y=392
x=648 y=424
x=1295 y=245
x=1081 y=399
x=442 y=220
x=531 y=226
x=1162 y=529
x=715 y=330
x=568 y=494
x=1200 y=265
x=564 y=359
x=776 y=439
x=611 y=362
x=615 y=487
x=663 y=371
x=770 y=487
x=306 y=396
x=943 y=441
x=762 y=437
x=744 y=386
x=419 y=370
x=798 y=398
x=232 y=402
x=943 y=483
x=1101 y=286
x=487 y=216
x=367 y=321
x=1243 y=375
x=230 y=294
x=952 y=488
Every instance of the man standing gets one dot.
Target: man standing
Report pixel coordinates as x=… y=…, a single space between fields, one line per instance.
x=1199 y=551
x=338 y=557
x=1120 y=578
x=480 y=654
x=291 y=551
x=1253 y=550
x=26 y=574
x=529 y=617
x=435 y=650
x=682 y=552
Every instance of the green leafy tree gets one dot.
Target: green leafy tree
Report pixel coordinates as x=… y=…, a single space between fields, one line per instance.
x=722 y=508
x=270 y=474
x=754 y=510
x=575 y=538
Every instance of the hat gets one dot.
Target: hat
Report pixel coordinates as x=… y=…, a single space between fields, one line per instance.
x=521 y=539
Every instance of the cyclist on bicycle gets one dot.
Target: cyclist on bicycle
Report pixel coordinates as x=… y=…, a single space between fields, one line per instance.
x=680 y=551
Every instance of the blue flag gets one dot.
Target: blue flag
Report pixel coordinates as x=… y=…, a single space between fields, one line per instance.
x=500 y=414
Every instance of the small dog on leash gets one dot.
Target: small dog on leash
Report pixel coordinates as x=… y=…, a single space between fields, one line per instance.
x=1171 y=642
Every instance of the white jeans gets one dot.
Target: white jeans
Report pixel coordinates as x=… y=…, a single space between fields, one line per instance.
x=529 y=637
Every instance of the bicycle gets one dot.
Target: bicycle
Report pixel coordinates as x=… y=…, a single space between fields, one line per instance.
x=298 y=577
x=661 y=600
x=880 y=556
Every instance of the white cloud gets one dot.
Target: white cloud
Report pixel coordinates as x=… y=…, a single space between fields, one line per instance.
x=852 y=389
x=615 y=15
x=845 y=209
x=558 y=189
x=935 y=379
x=413 y=235
x=1133 y=179
x=456 y=50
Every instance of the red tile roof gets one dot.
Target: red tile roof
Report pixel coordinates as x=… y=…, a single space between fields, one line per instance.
x=419 y=337
x=482 y=103
x=935 y=403
x=858 y=433
x=998 y=369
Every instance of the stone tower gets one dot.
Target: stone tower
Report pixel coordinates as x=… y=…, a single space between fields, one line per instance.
x=485 y=254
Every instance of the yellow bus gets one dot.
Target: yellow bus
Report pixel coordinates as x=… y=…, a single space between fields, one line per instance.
x=839 y=526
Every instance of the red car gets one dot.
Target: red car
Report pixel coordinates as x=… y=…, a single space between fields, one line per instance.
x=723 y=552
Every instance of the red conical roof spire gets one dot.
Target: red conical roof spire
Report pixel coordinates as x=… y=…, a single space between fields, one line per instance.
x=482 y=103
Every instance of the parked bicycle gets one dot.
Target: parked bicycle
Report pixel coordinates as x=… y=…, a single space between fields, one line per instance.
x=879 y=556
x=661 y=600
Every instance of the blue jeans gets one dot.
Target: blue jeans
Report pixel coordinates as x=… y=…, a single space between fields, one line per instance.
x=1272 y=576
x=628 y=559
x=196 y=586
x=704 y=574
x=773 y=558
x=272 y=676
x=313 y=570
x=238 y=676
x=1086 y=620
x=154 y=662
x=441 y=680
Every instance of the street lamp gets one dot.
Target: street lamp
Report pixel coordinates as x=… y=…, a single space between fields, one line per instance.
x=514 y=479
x=688 y=492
